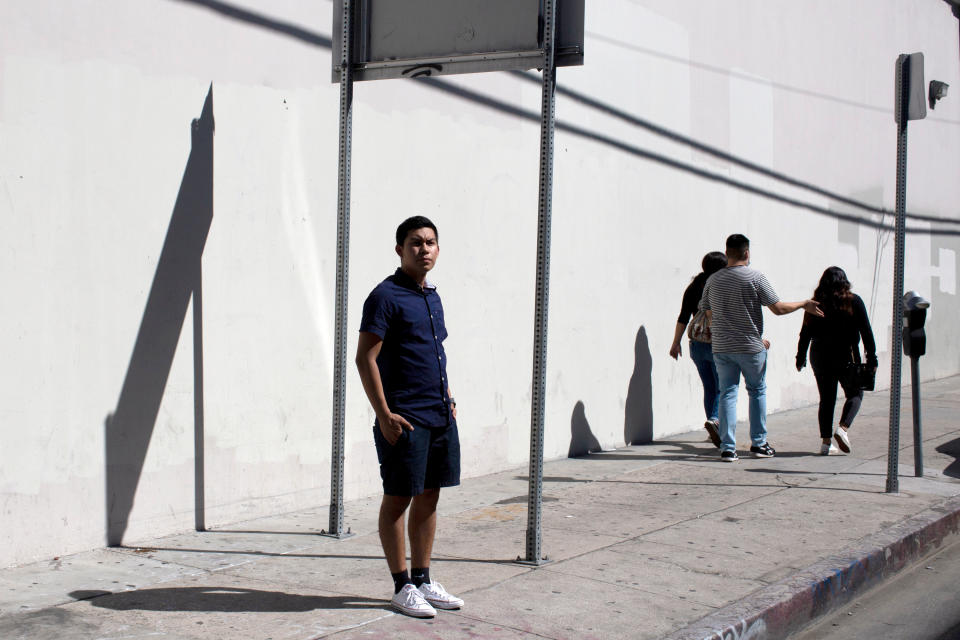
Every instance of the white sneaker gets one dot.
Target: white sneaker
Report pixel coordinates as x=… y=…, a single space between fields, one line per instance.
x=411 y=602
x=843 y=439
x=435 y=594
x=829 y=450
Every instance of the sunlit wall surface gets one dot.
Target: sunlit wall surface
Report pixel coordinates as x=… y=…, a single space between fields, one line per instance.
x=168 y=218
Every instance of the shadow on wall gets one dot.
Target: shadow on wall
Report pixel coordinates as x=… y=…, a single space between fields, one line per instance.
x=638 y=412
x=130 y=426
x=582 y=440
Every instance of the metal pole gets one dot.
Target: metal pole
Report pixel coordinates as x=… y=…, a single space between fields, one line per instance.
x=893 y=453
x=917 y=428
x=547 y=112
x=343 y=260
x=199 y=499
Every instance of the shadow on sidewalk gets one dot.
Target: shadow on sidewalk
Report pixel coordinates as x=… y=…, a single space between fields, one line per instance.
x=145 y=551
x=220 y=599
x=951 y=448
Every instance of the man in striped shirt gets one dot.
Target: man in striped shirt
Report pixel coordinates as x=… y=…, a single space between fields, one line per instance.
x=734 y=298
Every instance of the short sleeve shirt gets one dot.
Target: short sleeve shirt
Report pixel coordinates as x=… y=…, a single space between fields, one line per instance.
x=736 y=297
x=412 y=362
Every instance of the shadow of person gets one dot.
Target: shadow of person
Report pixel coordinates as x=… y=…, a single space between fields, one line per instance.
x=638 y=409
x=582 y=440
x=951 y=448
x=220 y=599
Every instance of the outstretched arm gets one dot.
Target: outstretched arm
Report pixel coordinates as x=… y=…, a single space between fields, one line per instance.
x=783 y=308
x=391 y=424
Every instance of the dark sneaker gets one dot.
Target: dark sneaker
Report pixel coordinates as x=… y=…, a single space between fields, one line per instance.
x=729 y=456
x=713 y=430
x=763 y=451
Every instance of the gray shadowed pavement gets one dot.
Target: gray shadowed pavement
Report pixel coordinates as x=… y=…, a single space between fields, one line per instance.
x=648 y=541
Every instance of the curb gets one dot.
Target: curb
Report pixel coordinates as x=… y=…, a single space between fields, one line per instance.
x=787 y=606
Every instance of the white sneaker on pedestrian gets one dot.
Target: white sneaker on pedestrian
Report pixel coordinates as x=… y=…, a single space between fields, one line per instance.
x=435 y=594
x=410 y=600
x=829 y=450
x=843 y=439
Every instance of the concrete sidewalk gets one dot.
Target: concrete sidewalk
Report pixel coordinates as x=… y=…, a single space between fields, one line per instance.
x=652 y=541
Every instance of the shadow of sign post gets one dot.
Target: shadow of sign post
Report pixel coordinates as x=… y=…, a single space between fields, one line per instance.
x=177 y=280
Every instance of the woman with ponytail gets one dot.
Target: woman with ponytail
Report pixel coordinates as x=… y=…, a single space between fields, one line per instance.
x=835 y=346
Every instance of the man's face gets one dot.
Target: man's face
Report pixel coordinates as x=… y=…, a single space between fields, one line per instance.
x=419 y=251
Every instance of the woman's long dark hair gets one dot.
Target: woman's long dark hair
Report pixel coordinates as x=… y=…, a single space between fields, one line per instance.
x=833 y=293
x=713 y=262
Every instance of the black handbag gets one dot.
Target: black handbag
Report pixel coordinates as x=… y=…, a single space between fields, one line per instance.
x=861 y=374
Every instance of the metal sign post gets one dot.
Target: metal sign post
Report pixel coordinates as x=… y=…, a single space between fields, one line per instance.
x=382 y=39
x=910 y=104
x=343 y=259
x=539 y=386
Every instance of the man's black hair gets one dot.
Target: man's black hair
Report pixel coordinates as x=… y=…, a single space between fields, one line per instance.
x=412 y=224
x=737 y=246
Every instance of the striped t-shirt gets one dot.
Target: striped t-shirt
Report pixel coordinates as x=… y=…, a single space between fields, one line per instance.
x=736 y=297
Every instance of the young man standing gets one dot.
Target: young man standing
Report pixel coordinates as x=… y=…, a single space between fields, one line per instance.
x=734 y=298
x=403 y=368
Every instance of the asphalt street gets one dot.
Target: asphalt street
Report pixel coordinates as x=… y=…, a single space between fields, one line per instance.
x=922 y=603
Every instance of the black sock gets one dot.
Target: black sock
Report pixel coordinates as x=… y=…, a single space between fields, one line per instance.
x=419 y=575
x=399 y=579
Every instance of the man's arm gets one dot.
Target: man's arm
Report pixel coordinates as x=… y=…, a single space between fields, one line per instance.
x=782 y=308
x=391 y=424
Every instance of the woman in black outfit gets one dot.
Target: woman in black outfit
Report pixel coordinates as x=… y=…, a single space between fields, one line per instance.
x=701 y=350
x=836 y=344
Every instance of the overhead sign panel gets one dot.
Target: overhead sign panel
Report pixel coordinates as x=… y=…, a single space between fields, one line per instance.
x=413 y=38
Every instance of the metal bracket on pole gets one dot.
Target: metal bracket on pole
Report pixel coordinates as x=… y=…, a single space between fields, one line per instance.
x=893 y=452
x=343 y=259
x=535 y=494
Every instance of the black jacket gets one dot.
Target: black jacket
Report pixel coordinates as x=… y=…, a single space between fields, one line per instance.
x=837 y=334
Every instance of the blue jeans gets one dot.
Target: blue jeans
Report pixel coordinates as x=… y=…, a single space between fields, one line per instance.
x=753 y=366
x=702 y=355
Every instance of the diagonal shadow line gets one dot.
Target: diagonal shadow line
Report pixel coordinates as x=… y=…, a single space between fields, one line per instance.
x=519 y=112
x=315 y=534
x=746 y=486
x=324 y=41
x=717 y=153
x=243 y=15
x=129 y=428
x=145 y=552
x=743 y=76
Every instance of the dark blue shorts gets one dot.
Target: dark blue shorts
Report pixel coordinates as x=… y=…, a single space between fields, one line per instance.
x=425 y=458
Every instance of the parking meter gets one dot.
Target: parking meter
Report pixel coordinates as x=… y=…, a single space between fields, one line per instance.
x=915 y=314
x=914 y=346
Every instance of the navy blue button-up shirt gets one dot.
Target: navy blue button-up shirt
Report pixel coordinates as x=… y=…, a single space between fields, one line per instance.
x=412 y=363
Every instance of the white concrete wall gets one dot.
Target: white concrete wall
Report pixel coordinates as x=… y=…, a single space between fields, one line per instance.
x=96 y=104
